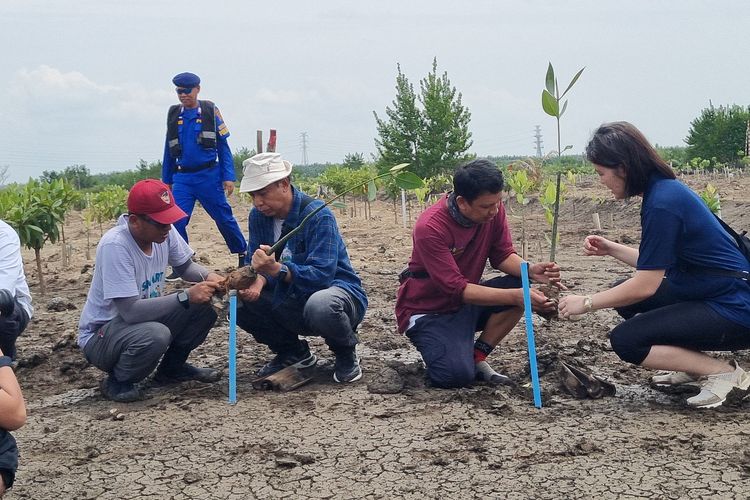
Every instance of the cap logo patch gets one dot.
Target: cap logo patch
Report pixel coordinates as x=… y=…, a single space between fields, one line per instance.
x=165 y=198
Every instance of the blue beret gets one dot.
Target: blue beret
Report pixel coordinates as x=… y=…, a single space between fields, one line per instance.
x=188 y=80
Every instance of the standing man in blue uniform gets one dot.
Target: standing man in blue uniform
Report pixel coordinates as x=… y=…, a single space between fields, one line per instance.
x=198 y=162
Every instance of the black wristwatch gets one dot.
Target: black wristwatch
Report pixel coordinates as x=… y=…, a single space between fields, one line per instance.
x=184 y=298
x=283 y=272
x=5 y=361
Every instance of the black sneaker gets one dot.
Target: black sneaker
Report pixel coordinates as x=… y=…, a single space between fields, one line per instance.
x=185 y=373
x=301 y=359
x=122 y=392
x=173 y=276
x=346 y=368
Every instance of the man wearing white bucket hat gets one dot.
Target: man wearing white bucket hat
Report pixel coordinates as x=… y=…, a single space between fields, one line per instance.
x=309 y=287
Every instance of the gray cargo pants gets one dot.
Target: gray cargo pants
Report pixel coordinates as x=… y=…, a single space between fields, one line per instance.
x=131 y=351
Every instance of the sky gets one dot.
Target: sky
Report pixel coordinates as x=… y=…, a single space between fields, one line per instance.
x=88 y=82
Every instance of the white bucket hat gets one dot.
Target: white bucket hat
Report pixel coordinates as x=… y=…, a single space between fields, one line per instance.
x=263 y=169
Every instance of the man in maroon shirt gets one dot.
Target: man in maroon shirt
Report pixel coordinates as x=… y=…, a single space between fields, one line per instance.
x=441 y=302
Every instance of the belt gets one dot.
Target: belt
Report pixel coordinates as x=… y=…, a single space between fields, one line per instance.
x=181 y=169
x=406 y=273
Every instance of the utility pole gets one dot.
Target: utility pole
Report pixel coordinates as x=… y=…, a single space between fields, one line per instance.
x=538 y=136
x=747 y=139
x=304 y=148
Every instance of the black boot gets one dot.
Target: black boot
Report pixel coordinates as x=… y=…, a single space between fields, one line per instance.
x=241 y=261
x=174 y=369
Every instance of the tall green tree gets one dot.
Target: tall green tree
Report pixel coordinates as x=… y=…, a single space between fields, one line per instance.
x=719 y=133
x=445 y=135
x=398 y=140
x=429 y=131
x=354 y=161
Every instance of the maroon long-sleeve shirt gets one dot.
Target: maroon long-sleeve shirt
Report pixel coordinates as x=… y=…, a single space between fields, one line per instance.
x=453 y=256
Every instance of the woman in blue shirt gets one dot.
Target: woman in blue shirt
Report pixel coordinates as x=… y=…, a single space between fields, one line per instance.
x=677 y=304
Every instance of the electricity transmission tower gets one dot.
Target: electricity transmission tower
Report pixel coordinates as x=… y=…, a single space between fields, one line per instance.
x=538 y=142
x=304 y=148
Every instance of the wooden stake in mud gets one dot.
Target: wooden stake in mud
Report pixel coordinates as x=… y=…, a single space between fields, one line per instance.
x=530 y=335
x=271 y=147
x=232 y=347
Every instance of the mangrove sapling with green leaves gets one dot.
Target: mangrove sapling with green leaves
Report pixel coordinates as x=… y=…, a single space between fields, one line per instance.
x=711 y=198
x=520 y=183
x=551 y=98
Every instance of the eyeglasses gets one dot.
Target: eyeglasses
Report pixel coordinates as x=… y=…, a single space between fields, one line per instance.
x=184 y=91
x=151 y=221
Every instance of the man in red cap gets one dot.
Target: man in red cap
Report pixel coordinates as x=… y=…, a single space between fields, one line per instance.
x=128 y=324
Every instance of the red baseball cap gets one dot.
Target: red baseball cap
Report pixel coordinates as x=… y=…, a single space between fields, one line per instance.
x=153 y=198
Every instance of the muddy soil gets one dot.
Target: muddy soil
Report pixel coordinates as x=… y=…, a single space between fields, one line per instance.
x=389 y=435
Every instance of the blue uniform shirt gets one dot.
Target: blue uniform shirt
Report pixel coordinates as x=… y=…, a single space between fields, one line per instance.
x=193 y=154
x=678 y=230
x=316 y=257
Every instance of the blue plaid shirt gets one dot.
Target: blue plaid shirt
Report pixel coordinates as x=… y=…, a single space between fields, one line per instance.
x=319 y=259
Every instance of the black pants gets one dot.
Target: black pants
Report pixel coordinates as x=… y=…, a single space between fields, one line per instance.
x=663 y=319
x=10 y=328
x=8 y=458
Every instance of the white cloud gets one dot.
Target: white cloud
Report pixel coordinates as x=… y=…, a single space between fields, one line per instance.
x=45 y=90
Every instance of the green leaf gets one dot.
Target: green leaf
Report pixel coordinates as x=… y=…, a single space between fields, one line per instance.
x=399 y=167
x=573 y=81
x=550 y=104
x=372 y=190
x=338 y=204
x=550 y=80
x=408 y=180
x=566 y=148
x=565 y=106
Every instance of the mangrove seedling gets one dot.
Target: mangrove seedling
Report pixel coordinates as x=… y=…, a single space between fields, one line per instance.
x=551 y=98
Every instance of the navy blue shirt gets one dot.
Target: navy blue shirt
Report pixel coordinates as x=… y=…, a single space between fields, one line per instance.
x=678 y=230
x=316 y=256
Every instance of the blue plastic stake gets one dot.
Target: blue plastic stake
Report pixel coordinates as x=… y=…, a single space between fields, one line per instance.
x=530 y=335
x=232 y=347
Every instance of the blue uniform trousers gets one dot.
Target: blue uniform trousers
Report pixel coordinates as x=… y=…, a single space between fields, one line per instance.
x=214 y=201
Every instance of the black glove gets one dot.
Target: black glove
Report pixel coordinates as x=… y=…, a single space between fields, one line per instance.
x=7 y=302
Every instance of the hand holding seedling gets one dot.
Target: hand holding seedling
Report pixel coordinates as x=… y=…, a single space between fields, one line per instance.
x=201 y=293
x=540 y=303
x=546 y=272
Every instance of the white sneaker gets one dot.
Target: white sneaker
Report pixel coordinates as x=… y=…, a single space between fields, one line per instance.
x=669 y=379
x=716 y=388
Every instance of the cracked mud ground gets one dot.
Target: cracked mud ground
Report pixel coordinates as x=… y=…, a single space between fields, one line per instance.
x=387 y=436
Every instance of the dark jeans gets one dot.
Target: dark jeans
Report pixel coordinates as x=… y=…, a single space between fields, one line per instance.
x=10 y=328
x=330 y=313
x=663 y=319
x=131 y=351
x=446 y=341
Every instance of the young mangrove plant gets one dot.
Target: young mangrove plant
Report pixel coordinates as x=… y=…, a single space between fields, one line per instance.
x=551 y=98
